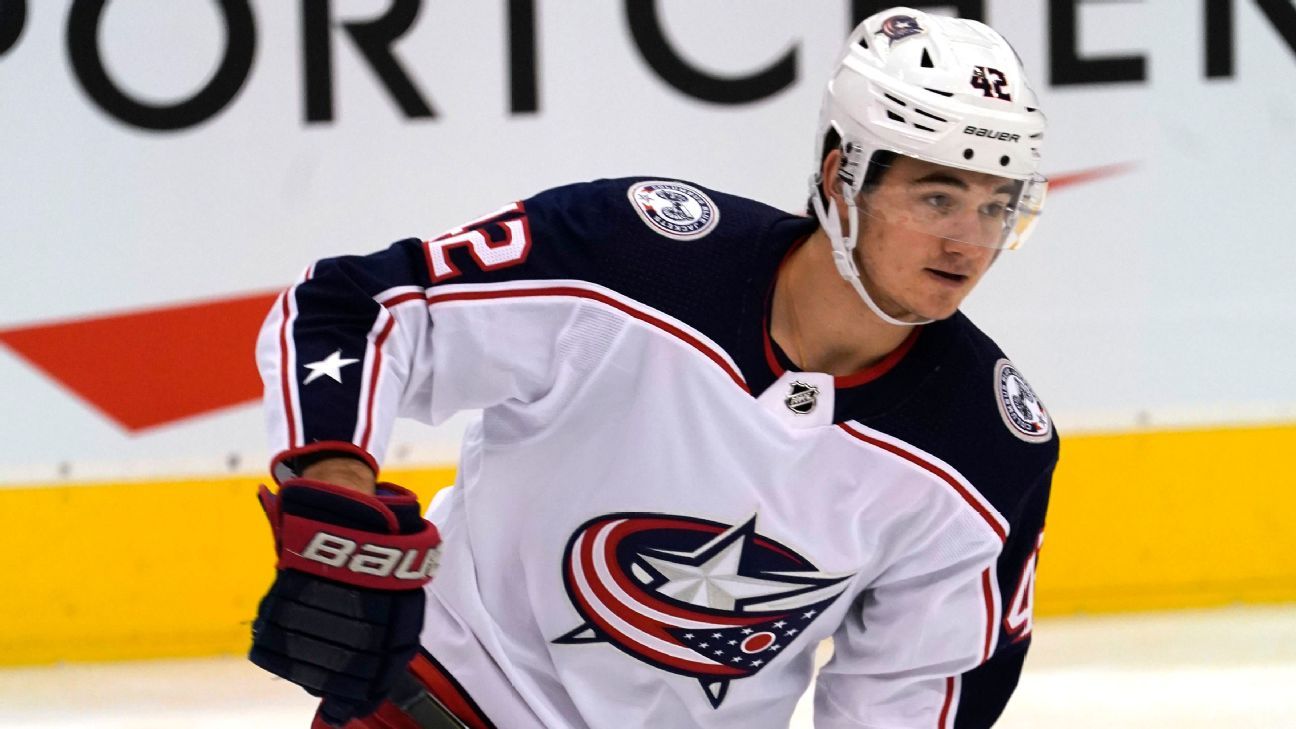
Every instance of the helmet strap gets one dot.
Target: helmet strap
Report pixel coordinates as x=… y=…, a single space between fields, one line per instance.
x=843 y=247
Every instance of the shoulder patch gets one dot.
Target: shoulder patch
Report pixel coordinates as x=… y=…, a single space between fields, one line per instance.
x=1020 y=408
x=674 y=209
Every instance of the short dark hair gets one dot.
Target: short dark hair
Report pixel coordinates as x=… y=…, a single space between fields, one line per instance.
x=877 y=165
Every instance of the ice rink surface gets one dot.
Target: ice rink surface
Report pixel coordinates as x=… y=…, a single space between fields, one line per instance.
x=1233 y=668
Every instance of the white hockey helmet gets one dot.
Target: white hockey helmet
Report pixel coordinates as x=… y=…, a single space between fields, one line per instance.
x=945 y=90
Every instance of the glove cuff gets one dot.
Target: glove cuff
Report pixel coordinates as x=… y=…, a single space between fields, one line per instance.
x=363 y=557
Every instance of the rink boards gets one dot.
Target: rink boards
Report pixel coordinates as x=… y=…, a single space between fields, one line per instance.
x=148 y=569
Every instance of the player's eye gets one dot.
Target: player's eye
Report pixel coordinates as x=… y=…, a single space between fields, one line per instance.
x=938 y=201
x=994 y=210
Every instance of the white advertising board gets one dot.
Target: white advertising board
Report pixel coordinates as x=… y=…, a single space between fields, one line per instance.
x=156 y=154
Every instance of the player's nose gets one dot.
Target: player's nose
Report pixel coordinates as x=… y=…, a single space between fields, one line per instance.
x=966 y=228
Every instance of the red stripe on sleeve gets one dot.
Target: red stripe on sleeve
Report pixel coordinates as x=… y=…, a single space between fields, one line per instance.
x=949 y=701
x=986 y=587
x=373 y=381
x=404 y=298
x=284 y=366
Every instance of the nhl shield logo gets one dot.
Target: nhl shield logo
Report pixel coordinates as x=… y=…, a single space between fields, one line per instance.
x=1020 y=408
x=802 y=398
x=674 y=209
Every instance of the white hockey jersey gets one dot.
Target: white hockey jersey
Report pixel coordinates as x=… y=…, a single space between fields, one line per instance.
x=658 y=517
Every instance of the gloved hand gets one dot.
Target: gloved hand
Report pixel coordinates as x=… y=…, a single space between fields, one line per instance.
x=343 y=617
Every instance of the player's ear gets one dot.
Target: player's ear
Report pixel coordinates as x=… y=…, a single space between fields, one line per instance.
x=830 y=181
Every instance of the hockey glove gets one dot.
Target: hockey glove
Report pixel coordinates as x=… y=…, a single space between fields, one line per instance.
x=343 y=617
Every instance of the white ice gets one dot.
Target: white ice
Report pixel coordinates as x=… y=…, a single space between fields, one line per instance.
x=1232 y=668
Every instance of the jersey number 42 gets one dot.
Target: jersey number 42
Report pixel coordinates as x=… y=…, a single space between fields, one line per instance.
x=488 y=253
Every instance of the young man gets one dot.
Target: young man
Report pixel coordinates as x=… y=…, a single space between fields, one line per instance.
x=713 y=435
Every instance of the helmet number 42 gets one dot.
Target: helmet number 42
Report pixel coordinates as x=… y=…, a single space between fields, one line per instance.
x=991 y=81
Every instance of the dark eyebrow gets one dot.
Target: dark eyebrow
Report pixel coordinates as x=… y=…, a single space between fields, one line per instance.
x=944 y=178
x=941 y=178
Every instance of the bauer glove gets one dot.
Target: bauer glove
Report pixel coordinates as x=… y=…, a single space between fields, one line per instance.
x=343 y=617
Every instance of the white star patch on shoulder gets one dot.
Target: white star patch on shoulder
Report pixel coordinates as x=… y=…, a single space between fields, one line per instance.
x=331 y=366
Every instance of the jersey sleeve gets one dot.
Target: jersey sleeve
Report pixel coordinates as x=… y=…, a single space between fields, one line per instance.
x=360 y=340
x=481 y=314
x=979 y=696
x=939 y=640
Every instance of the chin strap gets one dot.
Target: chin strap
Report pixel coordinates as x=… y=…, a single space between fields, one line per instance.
x=843 y=247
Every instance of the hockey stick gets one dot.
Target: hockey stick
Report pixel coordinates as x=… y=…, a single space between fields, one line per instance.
x=412 y=697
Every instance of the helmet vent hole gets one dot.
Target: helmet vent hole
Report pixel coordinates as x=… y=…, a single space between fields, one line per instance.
x=942 y=93
x=895 y=117
x=930 y=115
x=1003 y=161
x=967 y=154
x=1039 y=135
x=894 y=99
x=863 y=42
x=923 y=128
x=926 y=60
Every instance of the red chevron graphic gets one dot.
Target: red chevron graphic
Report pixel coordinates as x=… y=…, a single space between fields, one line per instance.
x=158 y=366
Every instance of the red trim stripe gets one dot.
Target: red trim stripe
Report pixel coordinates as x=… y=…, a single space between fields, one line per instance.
x=986 y=587
x=579 y=293
x=936 y=471
x=404 y=298
x=284 y=365
x=283 y=371
x=770 y=359
x=855 y=379
x=949 y=701
x=374 y=372
x=884 y=366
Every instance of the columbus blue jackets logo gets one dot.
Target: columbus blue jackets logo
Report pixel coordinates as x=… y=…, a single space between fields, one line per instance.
x=1021 y=409
x=897 y=27
x=697 y=598
x=674 y=209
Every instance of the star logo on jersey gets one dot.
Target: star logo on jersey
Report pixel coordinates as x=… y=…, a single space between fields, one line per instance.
x=330 y=367
x=698 y=598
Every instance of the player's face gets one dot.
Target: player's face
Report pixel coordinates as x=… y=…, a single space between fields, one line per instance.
x=929 y=234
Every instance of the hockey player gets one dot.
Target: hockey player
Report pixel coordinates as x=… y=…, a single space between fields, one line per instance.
x=713 y=435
